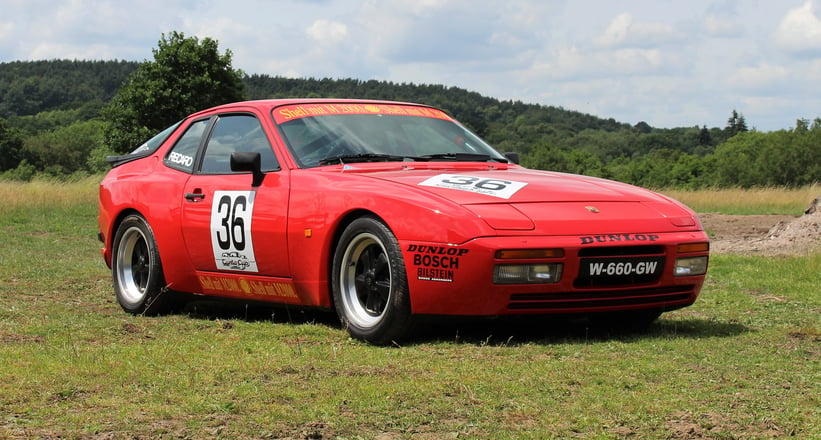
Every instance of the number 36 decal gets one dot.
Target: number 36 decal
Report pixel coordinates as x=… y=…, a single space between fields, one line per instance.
x=492 y=187
x=231 y=242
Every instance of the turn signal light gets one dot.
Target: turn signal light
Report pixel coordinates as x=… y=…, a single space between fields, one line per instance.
x=528 y=254
x=693 y=247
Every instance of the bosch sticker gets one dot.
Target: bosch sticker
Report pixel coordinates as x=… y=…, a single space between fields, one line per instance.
x=503 y=189
x=231 y=240
x=436 y=263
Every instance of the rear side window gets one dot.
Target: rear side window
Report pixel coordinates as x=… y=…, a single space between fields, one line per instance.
x=181 y=157
x=232 y=133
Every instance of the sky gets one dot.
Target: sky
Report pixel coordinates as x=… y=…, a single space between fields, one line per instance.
x=667 y=63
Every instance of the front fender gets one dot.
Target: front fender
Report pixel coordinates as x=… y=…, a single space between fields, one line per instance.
x=319 y=211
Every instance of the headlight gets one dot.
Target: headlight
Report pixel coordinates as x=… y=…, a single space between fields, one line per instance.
x=690 y=266
x=539 y=273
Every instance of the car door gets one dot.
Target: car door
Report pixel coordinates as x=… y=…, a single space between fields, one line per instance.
x=228 y=225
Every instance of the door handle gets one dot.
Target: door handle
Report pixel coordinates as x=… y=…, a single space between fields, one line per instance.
x=193 y=197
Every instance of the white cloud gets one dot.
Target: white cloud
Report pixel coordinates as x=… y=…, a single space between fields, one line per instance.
x=668 y=63
x=624 y=32
x=715 y=26
x=813 y=72
x=326 y=32
x=6 y=29
x=571 y=63
x=762 y=76
x=47 y=51
x=800 y=29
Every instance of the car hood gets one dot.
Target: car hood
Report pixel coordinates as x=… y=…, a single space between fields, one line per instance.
x=516 y=198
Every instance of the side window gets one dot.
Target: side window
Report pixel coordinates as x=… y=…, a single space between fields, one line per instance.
x=181 y=156
x=236 y=133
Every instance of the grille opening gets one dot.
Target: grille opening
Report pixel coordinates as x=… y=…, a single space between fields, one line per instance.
x=574 y=300
x=589 y=282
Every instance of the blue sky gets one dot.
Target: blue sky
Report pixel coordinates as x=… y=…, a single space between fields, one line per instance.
x=668 y=63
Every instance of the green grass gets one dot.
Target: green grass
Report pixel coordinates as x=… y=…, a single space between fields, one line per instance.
x=743 y=362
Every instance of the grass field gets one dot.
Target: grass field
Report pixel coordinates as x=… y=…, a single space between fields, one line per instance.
x=785 y=201
x=743 y=362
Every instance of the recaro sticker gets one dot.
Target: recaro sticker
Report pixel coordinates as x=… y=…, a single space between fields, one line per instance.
x=503 y=189
x=231 y=239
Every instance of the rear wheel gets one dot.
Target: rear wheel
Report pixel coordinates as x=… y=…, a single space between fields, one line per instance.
x=370 y=285
x=136 y=269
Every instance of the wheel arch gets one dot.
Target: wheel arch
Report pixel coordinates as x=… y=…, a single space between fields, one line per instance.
x=176 y=267
x=336 y=235
x=111 y=233
x=118 y=220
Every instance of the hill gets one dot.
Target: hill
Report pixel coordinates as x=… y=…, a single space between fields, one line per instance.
x=61 y=92
x=31 y=87
x=50 y=109
x=28 y=88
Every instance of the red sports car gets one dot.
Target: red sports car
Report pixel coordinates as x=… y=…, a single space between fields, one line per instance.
x=384 y=211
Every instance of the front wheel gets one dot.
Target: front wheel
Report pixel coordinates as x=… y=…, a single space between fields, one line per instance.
x=136 y=269
x=370 y=287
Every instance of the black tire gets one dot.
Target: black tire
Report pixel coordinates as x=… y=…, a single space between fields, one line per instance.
x=136 y=269
x=369 y=283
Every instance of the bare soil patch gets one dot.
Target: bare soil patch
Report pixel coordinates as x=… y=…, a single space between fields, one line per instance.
x=763 y=234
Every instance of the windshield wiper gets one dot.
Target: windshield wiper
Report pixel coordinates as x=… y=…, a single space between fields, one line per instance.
x=378 y=157
x=362 y=157
x=467 y=157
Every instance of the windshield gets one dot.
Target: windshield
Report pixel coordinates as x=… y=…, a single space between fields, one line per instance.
x=381 y=133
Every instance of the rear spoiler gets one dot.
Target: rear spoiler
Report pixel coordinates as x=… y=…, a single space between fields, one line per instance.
x=116 y=161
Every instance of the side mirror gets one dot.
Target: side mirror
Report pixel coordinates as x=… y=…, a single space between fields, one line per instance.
x=248 y=161
x=513 y=157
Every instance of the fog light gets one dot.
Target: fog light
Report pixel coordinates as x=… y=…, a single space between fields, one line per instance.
x=690 y=266
x=542 y=273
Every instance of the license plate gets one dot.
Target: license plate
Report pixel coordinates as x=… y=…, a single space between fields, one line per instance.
x=621 y=267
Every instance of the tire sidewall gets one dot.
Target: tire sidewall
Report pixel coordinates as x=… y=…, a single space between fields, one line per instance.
x=152 y=299
x=395 y=322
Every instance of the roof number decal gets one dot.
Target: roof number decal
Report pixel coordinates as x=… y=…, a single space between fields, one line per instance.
x=503 y=189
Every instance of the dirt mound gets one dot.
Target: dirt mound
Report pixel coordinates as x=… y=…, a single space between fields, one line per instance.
x=765 y=234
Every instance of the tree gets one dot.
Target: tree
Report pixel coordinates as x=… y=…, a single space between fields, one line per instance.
x=643 y=127
x=186 y=75
x=736 y=124
x=704 y=136
x=10 y=145
x=64 y=150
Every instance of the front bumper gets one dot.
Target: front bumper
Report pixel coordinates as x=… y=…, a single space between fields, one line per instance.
x=458 y=279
